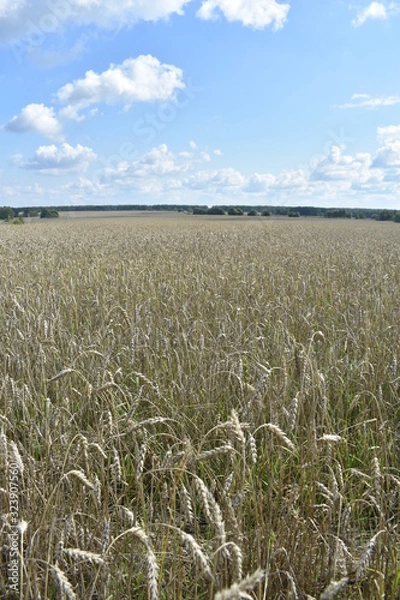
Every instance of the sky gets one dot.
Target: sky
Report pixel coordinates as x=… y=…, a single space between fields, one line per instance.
x=251 y=102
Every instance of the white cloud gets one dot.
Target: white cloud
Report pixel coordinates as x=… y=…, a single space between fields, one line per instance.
x=388 y=134
x=161 y=175
x=141 y=79
x=124 y=12
x=388 y=155
x=36 y=118
x=160 y=169
x=71 y=113
x=338 y=166
x=375 y=11
x=162 y=172
x=216 y=181
x=293 y=179
x=28 y=22
x=367 y=101
x=251 y=13
x=57 y=159
x=165 y=167
x=260 y=183
x=31 y=20
x=158 y=162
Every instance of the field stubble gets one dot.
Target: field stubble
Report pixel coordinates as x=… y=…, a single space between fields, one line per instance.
x=192 y=401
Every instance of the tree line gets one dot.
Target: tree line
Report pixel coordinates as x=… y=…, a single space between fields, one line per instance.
x=8 y=213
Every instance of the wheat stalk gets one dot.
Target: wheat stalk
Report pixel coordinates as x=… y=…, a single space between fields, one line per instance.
x=239 y=590
x=366 y=556
x=334 y=588
x=281 y=435
x=78 y=554
x=64 y=584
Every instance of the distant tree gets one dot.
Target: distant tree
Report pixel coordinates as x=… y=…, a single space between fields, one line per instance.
x=308 y=211
x=49 y=213
x=235 y=211
x=252 y=213
x=386 y=215
x=31 y=212
x=216 y=210
x=265 y=213
x=200 y=210
x=293 y=213
x=6 y=213
x=397 y=217
x=337 y=213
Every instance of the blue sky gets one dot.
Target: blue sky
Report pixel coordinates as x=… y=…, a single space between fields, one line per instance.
x=200 y=102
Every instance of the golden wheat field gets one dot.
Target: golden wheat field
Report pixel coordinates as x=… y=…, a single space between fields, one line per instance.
x=200 y=409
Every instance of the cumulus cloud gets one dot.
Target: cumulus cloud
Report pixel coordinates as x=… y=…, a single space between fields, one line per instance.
x=31 y=20
x=36 y=118
x=388 y=134
x=61 y=158
x=365 y=173
x=375 y=11
x=161 y=172
x=160 y=169
x=260 y=183
x=367 y=101
x=162 y=164
x=158 y=163
x=251 y=13
x=161 y=175
x=28 y=22
x=265 y=183
x=216 y=181
x=338 y=166
x=388 y=154
x=141 y=79
x=292 y=179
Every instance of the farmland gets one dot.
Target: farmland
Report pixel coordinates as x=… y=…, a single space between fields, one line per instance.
x=187 y=400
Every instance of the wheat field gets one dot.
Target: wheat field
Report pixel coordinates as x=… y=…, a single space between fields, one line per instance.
x=200 y=408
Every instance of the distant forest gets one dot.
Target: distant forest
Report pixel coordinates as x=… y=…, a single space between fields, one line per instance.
x=234 y=210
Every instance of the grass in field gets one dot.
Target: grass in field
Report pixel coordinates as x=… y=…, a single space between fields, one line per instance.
x=201 y=408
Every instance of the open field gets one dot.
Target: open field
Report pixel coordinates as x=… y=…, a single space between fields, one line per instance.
x=116 y=214
x=185 y=401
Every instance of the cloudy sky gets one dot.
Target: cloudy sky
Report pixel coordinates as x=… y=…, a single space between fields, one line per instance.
x=289 y=102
